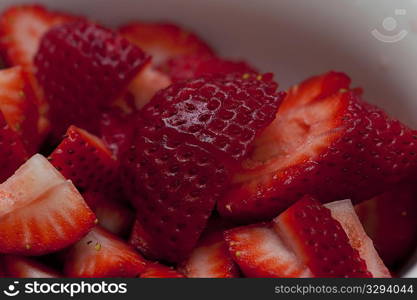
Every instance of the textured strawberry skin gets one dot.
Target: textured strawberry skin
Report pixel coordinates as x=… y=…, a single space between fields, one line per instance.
x=367 y=153
x=80 y=76
x=193 y=66
x=320 y=240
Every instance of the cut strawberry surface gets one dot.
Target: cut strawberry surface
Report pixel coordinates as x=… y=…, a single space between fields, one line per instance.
x=156 y=270
x=319 y=240
x=210 y=259
x=344 y=213
x=325 y=142
x=17 y=102
x=102 y=254
x=83 y=158
x=83 y=68
x=23 y=267
x=260 y=252
x=41 y=212
x=164 y=41
x=193 y=66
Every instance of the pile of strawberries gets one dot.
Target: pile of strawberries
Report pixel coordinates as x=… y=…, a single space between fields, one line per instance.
x=138 y=152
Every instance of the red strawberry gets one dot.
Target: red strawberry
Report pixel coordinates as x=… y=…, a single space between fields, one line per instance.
x=325 y=142
x=319 y=240
x=12 y=151
x=102 y=254
x=112 y=214
x=259 y=252
x=175 y=169
x=41 y=212
x=17 y=102
x=391 y=221
x=193 y=66
x=141 y=241
x=210 y=259
x=164 y=41
x=21 y=30
x=23 y=267
x=156 y=270
x=83 y=158
x=82 y=68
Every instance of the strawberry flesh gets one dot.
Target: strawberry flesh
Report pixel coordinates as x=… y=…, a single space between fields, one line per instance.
x=24 y=267
x=156 y=270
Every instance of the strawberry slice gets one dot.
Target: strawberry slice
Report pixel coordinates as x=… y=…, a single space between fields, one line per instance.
x=12 y=150
x=84 y=159
x=390 y=220
x=193 y=66
x=319 y=240
x=344 y=213
x=156 y=270
x=325 y=142
x=260 y=252
x=187 y=139
x=23 y=267
x=83 y=68
x=21 y=30
x=103 y=255
x=41 y=212
x=112 y=215
x=210 y=259
x=17 y=102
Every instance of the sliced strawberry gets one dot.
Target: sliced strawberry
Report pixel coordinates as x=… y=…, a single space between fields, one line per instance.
x=21 y=30
x=344 y=213
x=187 y=139
x=325 y=142
x=320 y=240
x=102 y=254
x=40 y=211
x=164 y=41
x=210 y=259
x=12 y=151
x=156 y=270
x=193 y=66
x=17 y=102
x=23 y=267
x=112 y=214
x=83 y=68
x=260 y=252
x=83 y=158
x=391 y=221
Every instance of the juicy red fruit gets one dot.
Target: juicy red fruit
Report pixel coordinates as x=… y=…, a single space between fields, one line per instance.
x=82 y=68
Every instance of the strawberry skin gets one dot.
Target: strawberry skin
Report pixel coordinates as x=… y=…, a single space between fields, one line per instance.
x=319 y=240
x=156 y=270
x=24 y=267
x=187 y=140
x=325 y=142
x=193 y=66
x=41 y=211
x=84 y=159
x=260 y=253
x=101 y=254
x=17 y=102
x=83 y=68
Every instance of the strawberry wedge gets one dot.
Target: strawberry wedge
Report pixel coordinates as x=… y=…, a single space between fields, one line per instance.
x=156 y=270
x=24 y=267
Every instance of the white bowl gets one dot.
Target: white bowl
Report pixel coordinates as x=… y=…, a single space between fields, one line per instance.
x=374 y=41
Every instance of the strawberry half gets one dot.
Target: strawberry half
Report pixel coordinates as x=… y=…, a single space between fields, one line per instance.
x=259 y=252
x=17 y=102
x=83 y=68
x=187 y=139
x=103 y=255
x=325 y=142
x=319 y=240
x=84 y=159
x=41 y=212
x=210 y=259
x=193 y=66
x=23 y=267
x=156 y=270
x=21 y=30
